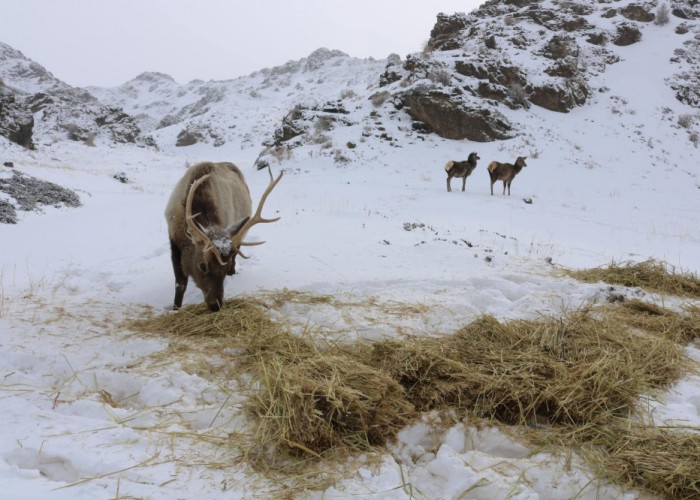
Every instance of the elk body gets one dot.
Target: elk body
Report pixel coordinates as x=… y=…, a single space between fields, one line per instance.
x=461 y=169
x=208 y=215
x=505 y=172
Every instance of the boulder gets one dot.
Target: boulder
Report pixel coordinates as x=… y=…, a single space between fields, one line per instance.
x=16 y=120
x=452 y=119
x=561 y=96
x=635 y=12
x=443 y=36
x=627 y=34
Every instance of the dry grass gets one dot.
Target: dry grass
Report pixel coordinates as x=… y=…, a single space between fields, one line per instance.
x=569 y=380
x=566 y=371
x=663 y=461
x=651 y=275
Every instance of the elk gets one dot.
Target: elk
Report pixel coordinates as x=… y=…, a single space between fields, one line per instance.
x=505 y=172
x=461 y=169
x=208 y=216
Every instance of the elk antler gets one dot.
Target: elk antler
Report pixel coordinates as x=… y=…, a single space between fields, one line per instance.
x=196 y=232
x=237 y=239
x=197 y=235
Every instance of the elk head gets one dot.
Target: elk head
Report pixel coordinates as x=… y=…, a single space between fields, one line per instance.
x=214 y=248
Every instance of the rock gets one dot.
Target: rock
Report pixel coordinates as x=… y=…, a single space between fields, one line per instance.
x=8 y=164
x=16 y=119
x=451 y=119
x=598 y=38
x=635 y=12
x=393 y=72
x=292 y=126
x=562 y=96
x=188 y=137
x=560 y=46
x=121 y=177
x=627 y=34
x=443 y=36
x=30 y=193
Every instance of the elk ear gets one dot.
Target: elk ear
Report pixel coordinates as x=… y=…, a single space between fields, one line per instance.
x=232 y=229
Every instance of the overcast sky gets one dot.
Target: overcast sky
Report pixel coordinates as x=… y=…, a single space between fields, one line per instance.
x=108 y=42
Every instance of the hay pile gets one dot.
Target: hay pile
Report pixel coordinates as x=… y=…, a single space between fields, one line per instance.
x=569 y=371
x=309 y=399
x=569 y=382
x=651 y=275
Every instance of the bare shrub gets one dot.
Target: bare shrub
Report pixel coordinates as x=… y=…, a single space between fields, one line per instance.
x=518 y=94
x=281 y=153
x=695 y=138
x=428 y=47
x=662 y=15
x=440 y=76
x=340 y=158
x=348 y=94
x=685 y=120
x=323 y=123
x=379 y=98
x=90 y=139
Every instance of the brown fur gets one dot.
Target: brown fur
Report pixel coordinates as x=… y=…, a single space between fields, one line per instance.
x=505 y=172
x=222 y=201
x=461 y=169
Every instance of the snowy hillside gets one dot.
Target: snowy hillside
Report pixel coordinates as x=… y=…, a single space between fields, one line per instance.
x=94 y=410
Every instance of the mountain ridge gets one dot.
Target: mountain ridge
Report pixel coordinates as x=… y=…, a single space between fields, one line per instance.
x=478 y=72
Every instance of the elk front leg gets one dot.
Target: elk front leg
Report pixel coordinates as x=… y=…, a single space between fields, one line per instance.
x=180 y=276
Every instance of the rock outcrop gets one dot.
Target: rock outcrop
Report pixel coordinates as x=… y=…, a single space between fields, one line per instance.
x=16 y=121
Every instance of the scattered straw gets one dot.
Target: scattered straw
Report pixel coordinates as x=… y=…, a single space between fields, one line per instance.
x=651 y=275
x=579 y=375
x=635 y=456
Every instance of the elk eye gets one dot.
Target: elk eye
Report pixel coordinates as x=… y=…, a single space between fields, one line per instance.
x=203 y=267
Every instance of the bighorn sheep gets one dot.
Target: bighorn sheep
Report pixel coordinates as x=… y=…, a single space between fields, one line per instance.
x=208 y=215
x=505 y=172
x=460 y=169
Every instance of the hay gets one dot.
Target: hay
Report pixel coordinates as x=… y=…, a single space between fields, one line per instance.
x=308 y=399
x=556 y=371
x=241 y=317
x=655 y=459
x=650 y=275
x=577 y=376
x=648 y=317
x=324 y=402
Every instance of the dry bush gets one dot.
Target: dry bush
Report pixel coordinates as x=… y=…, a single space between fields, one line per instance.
x=441 y=76
x=662 y=15
x=685 y=120
x=379 y=98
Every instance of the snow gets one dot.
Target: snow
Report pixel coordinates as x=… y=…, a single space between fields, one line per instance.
x=92 y=410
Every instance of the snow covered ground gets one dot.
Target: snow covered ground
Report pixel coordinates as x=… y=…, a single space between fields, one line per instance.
x=91 y=410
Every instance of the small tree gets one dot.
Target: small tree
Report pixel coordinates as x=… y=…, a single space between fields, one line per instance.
x=662 y=15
